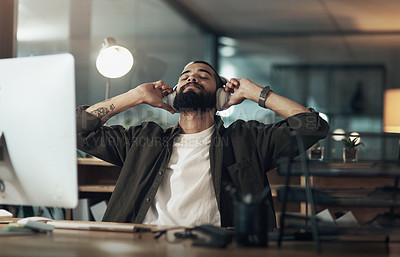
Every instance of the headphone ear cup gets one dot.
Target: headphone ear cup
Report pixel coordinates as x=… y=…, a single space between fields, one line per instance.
x=223 y=80
x=171 y=98
x=222 y=97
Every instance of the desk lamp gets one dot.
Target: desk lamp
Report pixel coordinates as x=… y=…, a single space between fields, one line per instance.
x=113 y=61
x=391 y=112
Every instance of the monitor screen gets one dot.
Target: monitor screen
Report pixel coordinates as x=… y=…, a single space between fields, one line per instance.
x=38 y=165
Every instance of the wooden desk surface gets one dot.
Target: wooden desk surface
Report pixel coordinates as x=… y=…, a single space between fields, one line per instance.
x=69 y=243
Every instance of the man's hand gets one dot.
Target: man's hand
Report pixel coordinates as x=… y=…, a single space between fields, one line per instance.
x=242 y=89
x=149 y=93
x=153 y=94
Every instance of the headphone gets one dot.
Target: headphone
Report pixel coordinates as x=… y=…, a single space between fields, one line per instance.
x=222 y=97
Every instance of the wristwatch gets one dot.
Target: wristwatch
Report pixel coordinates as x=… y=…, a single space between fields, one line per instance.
x=263 y=96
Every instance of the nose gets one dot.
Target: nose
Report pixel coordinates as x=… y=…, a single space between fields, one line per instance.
x=192 y=78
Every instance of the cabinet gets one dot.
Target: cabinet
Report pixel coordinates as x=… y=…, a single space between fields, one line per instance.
x=96 y=178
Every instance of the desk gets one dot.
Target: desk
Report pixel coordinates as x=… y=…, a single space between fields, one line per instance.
x=97 y=178
x=71 y=243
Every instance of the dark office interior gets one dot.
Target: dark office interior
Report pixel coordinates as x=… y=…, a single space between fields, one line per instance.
x=340 y=57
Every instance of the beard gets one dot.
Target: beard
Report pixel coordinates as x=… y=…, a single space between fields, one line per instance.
x=189 y=101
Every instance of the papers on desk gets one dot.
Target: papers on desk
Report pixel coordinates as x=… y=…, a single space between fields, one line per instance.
x=5 y=216
x=346 y=220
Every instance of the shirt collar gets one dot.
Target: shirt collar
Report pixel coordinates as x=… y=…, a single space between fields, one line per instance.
x=218 y=123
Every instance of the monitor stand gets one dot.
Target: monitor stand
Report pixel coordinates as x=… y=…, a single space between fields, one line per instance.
x=1 y=146
x=2 y=159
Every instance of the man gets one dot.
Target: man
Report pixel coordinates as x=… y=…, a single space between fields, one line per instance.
x=176 y=176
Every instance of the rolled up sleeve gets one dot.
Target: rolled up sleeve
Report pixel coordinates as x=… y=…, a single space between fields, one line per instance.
x=101 y=141
x=276 y=141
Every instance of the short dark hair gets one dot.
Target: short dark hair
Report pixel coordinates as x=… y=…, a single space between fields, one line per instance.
x=218 y=80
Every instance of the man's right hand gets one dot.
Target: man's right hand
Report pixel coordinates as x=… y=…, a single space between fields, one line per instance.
x=153 y=94
x=149 y=93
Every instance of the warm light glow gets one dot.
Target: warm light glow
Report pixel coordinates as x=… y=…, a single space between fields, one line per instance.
x=391 y=111
x=114 y=61
x=339 y=137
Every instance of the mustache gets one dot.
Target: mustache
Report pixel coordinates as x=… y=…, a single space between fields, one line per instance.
x=190 y=84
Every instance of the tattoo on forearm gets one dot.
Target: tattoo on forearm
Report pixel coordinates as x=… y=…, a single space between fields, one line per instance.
x=102 y=112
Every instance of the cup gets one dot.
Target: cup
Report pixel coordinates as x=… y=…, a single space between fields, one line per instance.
x=250 y=224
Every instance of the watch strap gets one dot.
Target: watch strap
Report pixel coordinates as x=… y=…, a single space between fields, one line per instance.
x=263 y=96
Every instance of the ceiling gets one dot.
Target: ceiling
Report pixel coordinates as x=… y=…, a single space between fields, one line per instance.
x=302 y=31
x=263 y=18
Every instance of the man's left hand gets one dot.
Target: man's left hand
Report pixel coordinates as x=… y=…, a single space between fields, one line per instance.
x=242 y=89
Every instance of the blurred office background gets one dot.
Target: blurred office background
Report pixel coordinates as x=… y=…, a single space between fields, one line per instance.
x=338 y=56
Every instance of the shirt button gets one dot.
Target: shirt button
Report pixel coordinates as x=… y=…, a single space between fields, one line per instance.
x=147 y=200
x=160 y=173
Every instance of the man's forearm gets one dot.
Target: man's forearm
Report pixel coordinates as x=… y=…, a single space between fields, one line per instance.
x=246 y=89
x=281 y=105
x=110 y=107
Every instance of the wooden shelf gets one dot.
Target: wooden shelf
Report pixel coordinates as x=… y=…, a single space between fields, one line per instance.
x=274 y=189
x=344 y=170
x=93 y=161
x=97 y=188
x=96 y=178
x=361 y=187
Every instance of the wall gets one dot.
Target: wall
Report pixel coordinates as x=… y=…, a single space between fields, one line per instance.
x=7 y=28
x=161 y=41
x=329 y=69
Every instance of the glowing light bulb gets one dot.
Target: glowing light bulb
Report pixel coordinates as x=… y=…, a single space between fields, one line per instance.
x=339 y=137
x=355 y=136
x=114 y=62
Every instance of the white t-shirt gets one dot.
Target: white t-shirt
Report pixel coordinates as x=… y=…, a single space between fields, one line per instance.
x=186 y=196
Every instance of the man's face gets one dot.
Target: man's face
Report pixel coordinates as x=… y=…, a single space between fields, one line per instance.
x=196 y=88
x=197 y=75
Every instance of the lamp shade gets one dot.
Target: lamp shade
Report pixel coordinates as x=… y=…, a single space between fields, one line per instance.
x=391 y=111
x=113 y=61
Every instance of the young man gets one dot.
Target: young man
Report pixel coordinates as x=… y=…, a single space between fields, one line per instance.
x=176 y=176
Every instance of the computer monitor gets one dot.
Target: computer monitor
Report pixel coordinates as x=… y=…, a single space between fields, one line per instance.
x=38 y=164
